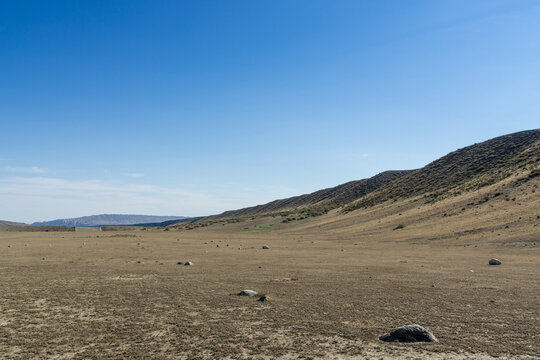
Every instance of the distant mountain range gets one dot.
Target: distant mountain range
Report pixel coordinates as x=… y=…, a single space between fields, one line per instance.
x=109 y=219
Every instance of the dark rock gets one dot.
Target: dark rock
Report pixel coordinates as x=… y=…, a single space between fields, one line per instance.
x=495 y=261
x=409 y=333
x=265 y=247
x=188 y=263
x=263 y=298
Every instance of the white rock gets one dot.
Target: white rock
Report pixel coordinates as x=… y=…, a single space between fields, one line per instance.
x=247 y=293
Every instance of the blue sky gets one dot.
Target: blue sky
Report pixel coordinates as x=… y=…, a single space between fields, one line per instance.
x=196 y=107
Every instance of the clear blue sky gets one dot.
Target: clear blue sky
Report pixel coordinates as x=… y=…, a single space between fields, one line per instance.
x=195 y=107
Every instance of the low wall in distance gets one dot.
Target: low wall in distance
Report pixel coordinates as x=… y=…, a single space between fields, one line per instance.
x=22 y=228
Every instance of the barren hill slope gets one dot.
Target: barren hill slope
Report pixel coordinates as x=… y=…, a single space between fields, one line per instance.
x=466 y=169
x=320 y=201
x=496 y=207
x=463 y=170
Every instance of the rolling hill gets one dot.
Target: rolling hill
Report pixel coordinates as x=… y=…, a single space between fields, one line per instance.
x=464 y=170
x=321 y=201
x=10 y=223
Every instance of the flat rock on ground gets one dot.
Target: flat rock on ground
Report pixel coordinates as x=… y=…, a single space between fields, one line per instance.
x=247 y=293
x=495 y=261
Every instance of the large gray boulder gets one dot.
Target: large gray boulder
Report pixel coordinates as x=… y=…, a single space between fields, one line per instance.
x=409 y=333
x=247 y=293
x=495 y=261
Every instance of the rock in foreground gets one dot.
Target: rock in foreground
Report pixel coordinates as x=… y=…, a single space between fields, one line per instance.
x=247 y=293
x=495 y=261
x=409 y=333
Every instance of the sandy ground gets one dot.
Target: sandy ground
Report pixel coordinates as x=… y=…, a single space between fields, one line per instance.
x=121 y=295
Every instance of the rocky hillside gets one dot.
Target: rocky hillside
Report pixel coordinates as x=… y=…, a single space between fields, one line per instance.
x=321 y=201
x=461 y=171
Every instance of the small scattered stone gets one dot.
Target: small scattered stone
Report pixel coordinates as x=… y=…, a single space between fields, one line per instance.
x=188 y=263
x=263 y=298
x=179 y=263
x=247 y=293
x=265 y=247
x=495 y=261
x=409 y=333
